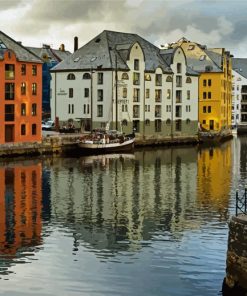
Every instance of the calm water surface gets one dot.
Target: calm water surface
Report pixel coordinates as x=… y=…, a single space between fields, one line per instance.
x=151 y=223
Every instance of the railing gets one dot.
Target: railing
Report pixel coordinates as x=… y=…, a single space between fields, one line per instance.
x=241 y=202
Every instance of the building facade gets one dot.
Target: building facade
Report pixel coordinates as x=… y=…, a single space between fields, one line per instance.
x=20 y=93
x=239 y=93
x=51 y=57
x=123 y=81
x=215 y=83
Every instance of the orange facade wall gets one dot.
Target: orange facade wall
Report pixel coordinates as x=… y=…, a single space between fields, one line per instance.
x=13 y=128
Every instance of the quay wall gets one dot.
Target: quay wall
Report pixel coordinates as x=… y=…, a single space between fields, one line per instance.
x=235 y=282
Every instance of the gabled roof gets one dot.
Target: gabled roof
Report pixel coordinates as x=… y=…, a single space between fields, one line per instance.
x=22 y=53
x=199 y=58
x=239 y=65
x=103 y=50
x=46 y=53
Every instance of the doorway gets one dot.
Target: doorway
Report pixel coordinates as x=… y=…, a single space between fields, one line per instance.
x=211 y=124
x=9 y=133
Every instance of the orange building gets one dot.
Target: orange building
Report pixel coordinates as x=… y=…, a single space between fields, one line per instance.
x=20 y=93
x=20 y=207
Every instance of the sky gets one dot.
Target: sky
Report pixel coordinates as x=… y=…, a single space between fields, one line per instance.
x=215 y=23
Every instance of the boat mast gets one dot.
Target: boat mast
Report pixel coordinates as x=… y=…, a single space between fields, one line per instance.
x=116 y=90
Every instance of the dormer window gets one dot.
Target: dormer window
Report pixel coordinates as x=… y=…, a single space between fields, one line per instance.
x=147 y=77
x=202 y=57
x=179 y=68
x=71 y=76
x=191 y=47
x=86 y=76
x=136 y=65
x=125 y=76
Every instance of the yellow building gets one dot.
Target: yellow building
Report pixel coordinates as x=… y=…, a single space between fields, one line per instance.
x=215 y=83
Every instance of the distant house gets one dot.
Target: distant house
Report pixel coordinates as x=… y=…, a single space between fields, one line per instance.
x=51 y=57
x=20 y=92
x=239 y=93
x=123 y=80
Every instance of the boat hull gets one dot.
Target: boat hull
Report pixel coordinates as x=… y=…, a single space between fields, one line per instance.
x=101 y=148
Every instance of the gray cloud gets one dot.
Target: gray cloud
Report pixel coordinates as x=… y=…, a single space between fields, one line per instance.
x=8 y=4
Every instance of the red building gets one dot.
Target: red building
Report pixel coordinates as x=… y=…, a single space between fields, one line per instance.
x=20 y=92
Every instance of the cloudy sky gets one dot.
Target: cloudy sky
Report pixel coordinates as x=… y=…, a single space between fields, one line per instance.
x=217 y=23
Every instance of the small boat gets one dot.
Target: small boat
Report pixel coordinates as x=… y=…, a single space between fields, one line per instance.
x=100 y=143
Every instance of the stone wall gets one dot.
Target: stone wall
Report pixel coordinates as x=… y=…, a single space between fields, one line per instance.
x=236 y=264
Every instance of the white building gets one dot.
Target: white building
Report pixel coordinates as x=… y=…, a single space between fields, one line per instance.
x=155 y=91
x=239 y=93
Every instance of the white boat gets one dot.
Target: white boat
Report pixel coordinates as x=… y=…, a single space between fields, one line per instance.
x=99 y=143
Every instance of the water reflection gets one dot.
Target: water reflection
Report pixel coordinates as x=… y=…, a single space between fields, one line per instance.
x=152 y=210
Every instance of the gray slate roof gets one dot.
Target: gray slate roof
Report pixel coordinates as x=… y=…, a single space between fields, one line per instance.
x=240 y=66
x=101 y=53
x=52 y=54
x=22 y=53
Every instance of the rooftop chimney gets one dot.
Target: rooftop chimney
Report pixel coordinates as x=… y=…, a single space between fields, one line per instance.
x=75 y=43
x=62 y=47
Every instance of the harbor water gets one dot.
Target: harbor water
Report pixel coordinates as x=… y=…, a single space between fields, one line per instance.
x=149 y=223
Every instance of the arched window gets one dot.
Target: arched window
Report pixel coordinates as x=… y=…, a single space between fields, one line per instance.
x=147 y=122
x=188 y=121
x=168 y=121
x=147 y=77
x=125 y=76
x=169 y=79
x=124 y=122
x=71 y=76
x=188 y=80
x=86 y=76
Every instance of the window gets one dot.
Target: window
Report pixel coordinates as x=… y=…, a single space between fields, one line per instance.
x=9 y=71
x=136 y=95
x=124 y=92
x=34 y=109
x=71 y=108
x=34 y=88
x=23 y=88
x=204 y=82
x=124 y=122
x=157 y=111
x=100 y=78
x=136 y=64
x=100 y=95
x=157 y=123
x=168 y=108
x=169 y=79
x=34 y=129
x=34 y=70
x=187 y=121
x=71 y=76
x=125 y=76
x=188 y=108
x=188 y=94
x=178 y=125
x=178 y=111
x=209 y=82
x=23 y=129
x=99 y=110
x=178 y=81
x=147 y=77
x=136 y=78
x=86 y=93
x=9 y=91
x=136 y=111
x=188 y=80
x=168 y=94
x=204 y=95
x=209 y=109
x=71 y=92
x=204 y=109
x=209 y=95
x=23 y=69
x=9 y=112
x=168 y=121
x=147 y=93
x=147 y=122
x=86 y=76
x=204 y=122
x=179 y=68
x=158 y=79
x=158 y=95
x=84 y=108
x=147 y=108
x=178 y=96
x=202 y=57
x=88 y=109
x=23 y=109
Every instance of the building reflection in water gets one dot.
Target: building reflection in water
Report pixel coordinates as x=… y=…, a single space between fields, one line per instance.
x=20 y=208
